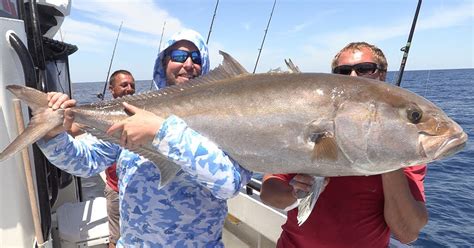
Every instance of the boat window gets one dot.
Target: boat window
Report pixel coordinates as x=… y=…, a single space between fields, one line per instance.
x=9 y=9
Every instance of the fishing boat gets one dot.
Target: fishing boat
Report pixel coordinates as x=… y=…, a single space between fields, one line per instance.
x=31 y=189
x=42 y=206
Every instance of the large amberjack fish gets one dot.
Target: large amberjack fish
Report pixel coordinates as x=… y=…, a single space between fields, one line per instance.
x=318 y=124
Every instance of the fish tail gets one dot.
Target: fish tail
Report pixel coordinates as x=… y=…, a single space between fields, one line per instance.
x=44 y=119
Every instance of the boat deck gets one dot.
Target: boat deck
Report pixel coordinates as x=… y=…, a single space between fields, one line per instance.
x=237 y=233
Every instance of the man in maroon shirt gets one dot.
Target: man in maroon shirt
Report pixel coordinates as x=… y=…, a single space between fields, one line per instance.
x=121 y=83
x=353 y=211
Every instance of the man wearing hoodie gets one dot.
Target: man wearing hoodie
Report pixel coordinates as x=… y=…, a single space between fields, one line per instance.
x=190 y=210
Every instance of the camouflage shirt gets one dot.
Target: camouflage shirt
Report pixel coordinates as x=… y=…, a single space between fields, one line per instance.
x=187 y=212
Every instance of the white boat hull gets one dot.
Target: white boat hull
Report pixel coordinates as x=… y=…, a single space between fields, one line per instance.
x=16 y=223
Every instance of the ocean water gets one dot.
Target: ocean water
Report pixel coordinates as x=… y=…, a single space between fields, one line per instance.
x=449 y=184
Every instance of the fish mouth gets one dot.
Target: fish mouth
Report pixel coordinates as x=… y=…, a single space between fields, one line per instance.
x=451 y=146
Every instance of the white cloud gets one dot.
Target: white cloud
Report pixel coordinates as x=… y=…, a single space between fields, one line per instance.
x=444 y=18
x=448 y=17
x=325 y=44
x=93 y=26
x=142 y=23
x=319 y=18
x=300 y=27
x=86 y=35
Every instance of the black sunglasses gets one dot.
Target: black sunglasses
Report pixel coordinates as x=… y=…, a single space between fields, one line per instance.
x=181 y=56
x=362 y=69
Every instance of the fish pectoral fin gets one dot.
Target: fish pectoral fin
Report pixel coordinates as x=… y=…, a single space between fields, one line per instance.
x=325 y=147
x=168 y=170
x=307 y=203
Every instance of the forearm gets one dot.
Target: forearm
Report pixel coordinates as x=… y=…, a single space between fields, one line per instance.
x=77 y=157
x=200 y=158
x=276 y=193
x=404 y=215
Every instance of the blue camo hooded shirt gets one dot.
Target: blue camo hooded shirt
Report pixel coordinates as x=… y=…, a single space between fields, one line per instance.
x=187 y=212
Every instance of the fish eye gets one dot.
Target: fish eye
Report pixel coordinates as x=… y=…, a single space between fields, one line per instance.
x=414 y=114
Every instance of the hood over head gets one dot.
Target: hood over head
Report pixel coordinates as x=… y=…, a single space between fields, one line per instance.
x=159 y=75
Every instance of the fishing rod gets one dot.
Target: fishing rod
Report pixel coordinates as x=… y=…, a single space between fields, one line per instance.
x=101 y=95
x=212 y=23
x=263 y=41
x=161 y=38
x=406 y=48
x=159 y=49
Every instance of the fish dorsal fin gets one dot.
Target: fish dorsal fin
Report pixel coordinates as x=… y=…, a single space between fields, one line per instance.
x=292 y=68
x=229 y=68
x=168 y=169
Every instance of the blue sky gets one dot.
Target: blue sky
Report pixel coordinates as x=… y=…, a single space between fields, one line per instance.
x=308 y=32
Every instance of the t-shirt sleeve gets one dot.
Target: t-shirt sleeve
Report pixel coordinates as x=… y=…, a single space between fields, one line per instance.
x=416 y=177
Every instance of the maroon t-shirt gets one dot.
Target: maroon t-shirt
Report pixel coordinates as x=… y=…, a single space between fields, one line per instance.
x=349 y=213
x=111 y=177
